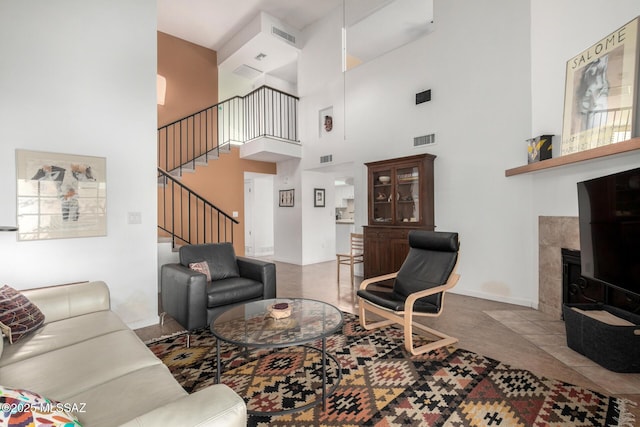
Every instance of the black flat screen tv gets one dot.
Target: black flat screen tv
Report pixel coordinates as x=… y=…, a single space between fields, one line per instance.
x=609 y=218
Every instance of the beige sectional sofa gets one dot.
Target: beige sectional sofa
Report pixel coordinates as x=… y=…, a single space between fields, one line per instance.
x=86 y=355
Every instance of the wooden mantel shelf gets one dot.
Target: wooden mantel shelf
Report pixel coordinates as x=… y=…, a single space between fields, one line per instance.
x=581 y=156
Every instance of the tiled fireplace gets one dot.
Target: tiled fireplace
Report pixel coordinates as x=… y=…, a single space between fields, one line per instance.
x=554 y=233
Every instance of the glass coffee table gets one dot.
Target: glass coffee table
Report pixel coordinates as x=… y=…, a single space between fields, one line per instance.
x=250 y=325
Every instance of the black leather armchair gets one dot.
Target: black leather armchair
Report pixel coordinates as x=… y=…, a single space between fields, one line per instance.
x=192 y=301
x=418 y=288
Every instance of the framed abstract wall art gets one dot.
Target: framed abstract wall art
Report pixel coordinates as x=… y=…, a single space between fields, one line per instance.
x=286 y=198
x=60 y=195
x=318 y=197
x=601 y=90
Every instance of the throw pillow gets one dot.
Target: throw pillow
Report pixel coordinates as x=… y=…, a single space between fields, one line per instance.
x=18 y=315
x=26 y=408
x=201 y=267
x=220 y=258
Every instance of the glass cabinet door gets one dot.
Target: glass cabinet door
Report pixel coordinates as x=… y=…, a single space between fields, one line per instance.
x=382 y=197
x=407 y=195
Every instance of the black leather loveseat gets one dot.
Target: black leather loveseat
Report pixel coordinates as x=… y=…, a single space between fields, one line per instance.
x=192 y=300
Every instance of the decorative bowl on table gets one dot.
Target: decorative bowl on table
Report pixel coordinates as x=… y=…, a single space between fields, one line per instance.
x=280 y=310
x=384 y=179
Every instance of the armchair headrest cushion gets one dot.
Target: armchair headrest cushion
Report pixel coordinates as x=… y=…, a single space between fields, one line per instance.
x=434 y=240
x=431 y=259
x=220 y=257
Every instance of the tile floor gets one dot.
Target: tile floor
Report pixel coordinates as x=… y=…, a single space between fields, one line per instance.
x=519 y=336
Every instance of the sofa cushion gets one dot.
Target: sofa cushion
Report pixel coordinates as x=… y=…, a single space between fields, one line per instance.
x=216 y=405
x=201 y=267
x=29 y=409
x=233 y=290
x=133 y=395
x=73 y=369
x=220 y=256
x=18 y=315
x=70 y=300
x=61 y=334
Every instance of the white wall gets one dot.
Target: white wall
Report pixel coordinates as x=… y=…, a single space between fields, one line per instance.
x=288 y=220
x=571 y=28
x=79 y=77
x=477 y=65
x=495 y=82
x=318 y=223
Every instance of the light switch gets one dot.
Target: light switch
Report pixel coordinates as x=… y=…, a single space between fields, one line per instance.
x=234 y=214
x=134 y=218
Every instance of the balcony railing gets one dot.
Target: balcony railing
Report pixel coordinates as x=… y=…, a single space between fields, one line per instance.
x=185 y=216
x=204 y=134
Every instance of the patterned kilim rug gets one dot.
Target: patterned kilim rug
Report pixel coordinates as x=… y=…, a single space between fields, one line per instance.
x=382 y=385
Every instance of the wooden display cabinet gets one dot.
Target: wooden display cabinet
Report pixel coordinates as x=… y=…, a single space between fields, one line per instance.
x=400 y=199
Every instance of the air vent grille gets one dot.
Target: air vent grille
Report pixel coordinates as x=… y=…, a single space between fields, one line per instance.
x=289 y=38
x=247 y=72
x=326 y=159
x=424 y=140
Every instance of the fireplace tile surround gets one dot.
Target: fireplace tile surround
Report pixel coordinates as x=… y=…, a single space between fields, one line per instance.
x=554 y=233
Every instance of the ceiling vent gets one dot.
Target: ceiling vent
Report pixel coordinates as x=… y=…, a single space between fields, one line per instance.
x=289 y=38
x=326 y=159
x=424 y=140
x=247 y=72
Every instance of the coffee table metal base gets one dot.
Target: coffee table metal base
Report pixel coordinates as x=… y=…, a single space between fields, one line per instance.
x=325 y=393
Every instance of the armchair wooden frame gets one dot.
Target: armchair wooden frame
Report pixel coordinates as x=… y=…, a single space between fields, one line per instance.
x=406 y=317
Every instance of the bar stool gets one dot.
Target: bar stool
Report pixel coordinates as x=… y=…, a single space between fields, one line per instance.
x=355 y=255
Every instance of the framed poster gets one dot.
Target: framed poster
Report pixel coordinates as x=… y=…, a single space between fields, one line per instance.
x=318 y=197
x=286 y=198
x=601 y=88
x=60 y=195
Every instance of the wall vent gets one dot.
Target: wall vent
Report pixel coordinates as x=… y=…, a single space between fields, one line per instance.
x=326 y=159
x=424 y=140
x=289 y=38
x=247 y=72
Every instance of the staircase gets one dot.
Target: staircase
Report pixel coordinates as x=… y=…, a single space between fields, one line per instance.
x=185 y=217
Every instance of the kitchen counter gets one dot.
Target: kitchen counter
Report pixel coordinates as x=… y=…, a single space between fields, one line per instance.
x=344 y=228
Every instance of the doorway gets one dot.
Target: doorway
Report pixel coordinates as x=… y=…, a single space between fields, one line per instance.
x=258 y=212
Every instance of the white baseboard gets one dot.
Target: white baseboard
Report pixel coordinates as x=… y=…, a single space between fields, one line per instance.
x=498 y=298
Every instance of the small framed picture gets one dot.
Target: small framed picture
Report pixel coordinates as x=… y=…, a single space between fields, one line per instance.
x=318 y=197
x=287 y=198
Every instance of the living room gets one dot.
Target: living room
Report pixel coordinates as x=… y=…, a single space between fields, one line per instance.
x=76 y=72
x=79 y=78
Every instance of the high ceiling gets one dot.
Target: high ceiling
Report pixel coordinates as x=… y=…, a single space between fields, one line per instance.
x=211 y=23
x=373 y=27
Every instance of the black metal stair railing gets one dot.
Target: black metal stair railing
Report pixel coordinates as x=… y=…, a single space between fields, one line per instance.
x=203 y=135
x=185 y=216
x=188 y=218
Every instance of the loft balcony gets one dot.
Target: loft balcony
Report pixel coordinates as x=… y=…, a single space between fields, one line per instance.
x=270 y=149
x=264 y=123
